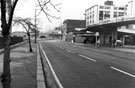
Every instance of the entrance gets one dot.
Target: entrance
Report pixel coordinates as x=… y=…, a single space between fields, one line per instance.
x=110 y=40
x=128 y=40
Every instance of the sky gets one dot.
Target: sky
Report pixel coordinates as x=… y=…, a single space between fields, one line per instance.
x=70 y=9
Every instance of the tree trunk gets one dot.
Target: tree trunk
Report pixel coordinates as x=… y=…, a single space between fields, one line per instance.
x=30 y=43
x=6 y=75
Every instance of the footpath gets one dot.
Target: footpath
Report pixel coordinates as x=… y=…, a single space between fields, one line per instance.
x=23 y=66
x=124 y=48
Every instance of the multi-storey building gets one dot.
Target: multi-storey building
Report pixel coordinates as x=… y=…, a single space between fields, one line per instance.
x=98 y=13
x=130 y=6
x=112 y=22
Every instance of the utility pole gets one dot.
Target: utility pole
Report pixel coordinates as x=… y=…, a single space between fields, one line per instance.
x=35 y=27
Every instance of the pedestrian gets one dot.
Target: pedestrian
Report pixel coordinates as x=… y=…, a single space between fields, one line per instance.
x=98 y=43
x=114 y=43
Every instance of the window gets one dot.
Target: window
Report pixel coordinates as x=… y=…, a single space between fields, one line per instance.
x=101 y=7
x=121 y=13
x=100 y=15
x=115 y=8
x=107 y=7
x=115 y=14
x=107 y=14
x=121 y=8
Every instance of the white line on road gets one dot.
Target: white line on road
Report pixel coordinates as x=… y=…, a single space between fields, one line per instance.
x=53 y=72
x=72 y=52
x=87 y=57
x=123 y=72
x=69 y=51
x=60 y=47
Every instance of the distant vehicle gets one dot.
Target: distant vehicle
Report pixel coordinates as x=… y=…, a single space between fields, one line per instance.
x=119 y=42
x=42 y=36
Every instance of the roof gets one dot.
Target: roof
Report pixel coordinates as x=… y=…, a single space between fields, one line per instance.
x=73 y=20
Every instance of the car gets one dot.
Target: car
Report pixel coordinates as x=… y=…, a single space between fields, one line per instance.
x=119 y=43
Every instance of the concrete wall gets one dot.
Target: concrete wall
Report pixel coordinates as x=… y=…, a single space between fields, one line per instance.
x=14 y=40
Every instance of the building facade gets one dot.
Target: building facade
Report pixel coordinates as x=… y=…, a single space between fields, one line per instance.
x=112 y=22
x=72 y=27
x=98 y=13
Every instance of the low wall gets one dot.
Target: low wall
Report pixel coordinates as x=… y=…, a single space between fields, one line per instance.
x=14 y=40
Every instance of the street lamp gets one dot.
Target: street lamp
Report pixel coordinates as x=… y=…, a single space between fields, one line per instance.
x=36 y=25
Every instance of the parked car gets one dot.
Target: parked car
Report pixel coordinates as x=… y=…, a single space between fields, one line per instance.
x=119 y=43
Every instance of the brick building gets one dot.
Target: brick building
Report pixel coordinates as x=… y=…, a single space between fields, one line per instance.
x=71 y=28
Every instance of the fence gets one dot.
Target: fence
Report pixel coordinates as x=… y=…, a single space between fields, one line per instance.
x=14 y=40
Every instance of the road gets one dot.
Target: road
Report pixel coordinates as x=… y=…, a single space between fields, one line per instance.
x=78 y=67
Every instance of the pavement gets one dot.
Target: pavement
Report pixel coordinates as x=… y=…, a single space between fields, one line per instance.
x=124 y=48
x=23 y=67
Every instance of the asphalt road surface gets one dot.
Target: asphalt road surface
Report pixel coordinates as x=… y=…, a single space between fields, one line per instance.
x=78 y=67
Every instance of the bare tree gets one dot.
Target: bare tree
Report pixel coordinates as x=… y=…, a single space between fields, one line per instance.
x=6 y=25
x=27 y=25
x=44 y=6
x=6 y=22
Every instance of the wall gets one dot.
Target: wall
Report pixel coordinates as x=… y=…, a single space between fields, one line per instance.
x=14 y=40
x=79 y=39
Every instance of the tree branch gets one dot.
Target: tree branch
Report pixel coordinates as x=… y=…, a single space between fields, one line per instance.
x=12 y=13
x=54 y=7
x=45 y=12
x=3 y=12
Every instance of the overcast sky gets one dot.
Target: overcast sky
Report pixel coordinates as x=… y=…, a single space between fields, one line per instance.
x=70 y=9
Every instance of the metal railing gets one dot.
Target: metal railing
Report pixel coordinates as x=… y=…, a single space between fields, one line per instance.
x=114 y=20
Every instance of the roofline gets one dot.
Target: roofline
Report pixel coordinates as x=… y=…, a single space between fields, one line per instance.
x=72 y=20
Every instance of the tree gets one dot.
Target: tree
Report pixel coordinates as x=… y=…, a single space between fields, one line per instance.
x=6 y=25
x=44 y=7
x=27 y=25
x=6 y=22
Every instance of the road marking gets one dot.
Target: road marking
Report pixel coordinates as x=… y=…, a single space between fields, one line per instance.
x=123 y=72
x=60 y=47
x=72 y=52
x=87 y=57
x=54 y=74
x=69 y=51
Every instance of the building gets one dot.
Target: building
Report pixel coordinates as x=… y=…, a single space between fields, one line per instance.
x=111 y=22
x=19 y=34
x=98 y=13
x=130 y=6
x=71 y=28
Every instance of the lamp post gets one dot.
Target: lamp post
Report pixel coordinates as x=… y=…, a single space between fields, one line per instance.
x=35 y=27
